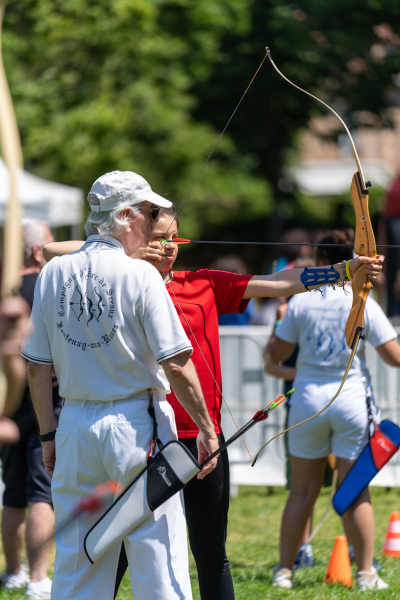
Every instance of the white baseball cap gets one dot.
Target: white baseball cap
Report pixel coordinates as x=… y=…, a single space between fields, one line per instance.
x=112 y=189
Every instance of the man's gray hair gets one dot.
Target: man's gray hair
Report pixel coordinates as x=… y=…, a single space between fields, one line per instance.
x=34 y=233
x=108 y=222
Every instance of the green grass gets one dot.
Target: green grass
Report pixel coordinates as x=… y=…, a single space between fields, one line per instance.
x=253 y=539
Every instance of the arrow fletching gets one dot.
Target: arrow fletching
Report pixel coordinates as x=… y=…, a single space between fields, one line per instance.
x=177 y=241
x=101 y=492
x=263 y=414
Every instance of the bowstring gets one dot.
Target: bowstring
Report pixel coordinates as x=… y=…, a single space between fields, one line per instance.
x=236 y=243
x=174 y=219
x=204 y=358
x=216 y=143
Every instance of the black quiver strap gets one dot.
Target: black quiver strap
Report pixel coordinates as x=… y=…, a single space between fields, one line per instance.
x=156 y=440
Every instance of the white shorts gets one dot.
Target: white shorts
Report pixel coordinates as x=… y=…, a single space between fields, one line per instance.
x=340 y=430
x=97 y=441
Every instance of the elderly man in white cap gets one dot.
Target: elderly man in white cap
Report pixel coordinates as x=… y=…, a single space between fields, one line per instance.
x=107 y=324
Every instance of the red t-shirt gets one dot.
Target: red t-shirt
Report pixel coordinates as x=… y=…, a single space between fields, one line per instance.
x=203 y=296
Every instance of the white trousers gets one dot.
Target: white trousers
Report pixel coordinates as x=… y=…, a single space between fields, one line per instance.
x=97 y=441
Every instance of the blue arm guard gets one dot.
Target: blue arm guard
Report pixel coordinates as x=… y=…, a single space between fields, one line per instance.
x=315 y=276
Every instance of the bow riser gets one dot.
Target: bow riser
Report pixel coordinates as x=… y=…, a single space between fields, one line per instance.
x=364 y=245
x=361 y=287
x=364 y=241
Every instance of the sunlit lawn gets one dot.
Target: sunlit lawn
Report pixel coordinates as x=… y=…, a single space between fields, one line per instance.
x=253 y=549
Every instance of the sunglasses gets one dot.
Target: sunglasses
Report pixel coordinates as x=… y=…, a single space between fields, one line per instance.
x=153 y=211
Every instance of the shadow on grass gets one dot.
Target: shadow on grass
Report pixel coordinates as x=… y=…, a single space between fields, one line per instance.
x=261 y=573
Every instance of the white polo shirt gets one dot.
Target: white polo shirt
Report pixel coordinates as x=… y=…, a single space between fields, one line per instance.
x=316 y=321
x=105 y=321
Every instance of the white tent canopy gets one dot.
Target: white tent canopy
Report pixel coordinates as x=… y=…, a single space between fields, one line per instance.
x=333 y=177
x=55 y=203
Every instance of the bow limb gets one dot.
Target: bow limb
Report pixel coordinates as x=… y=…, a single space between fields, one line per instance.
x=364 y=245
x=12 y=153
x=364 y=242
x=353 y=146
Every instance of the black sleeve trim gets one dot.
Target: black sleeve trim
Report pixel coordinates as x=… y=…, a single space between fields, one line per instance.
x=42 y=361
x=174 y=352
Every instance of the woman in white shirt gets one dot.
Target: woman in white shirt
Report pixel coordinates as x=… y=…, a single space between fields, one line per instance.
x=316 y=323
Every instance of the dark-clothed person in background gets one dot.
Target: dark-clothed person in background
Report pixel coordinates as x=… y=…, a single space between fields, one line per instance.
x=14 y=317
x=391 y=221
x=28 y=513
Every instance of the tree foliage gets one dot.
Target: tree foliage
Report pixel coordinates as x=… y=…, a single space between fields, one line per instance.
x=100 y=86
x=147 y=85
x=345 y=52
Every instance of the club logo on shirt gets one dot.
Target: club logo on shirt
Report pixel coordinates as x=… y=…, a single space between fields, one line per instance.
x=163 y=473
x=86 y=308
x=87 y=300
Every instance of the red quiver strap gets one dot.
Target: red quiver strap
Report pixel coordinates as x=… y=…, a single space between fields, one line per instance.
x=382 y=449
x=152 y=449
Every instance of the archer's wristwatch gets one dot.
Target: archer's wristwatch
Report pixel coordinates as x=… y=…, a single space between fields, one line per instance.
x=47 y=437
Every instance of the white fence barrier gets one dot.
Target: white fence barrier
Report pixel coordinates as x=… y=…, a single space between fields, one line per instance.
x=247 y=389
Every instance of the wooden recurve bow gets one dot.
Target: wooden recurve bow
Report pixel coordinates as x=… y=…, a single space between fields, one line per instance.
x=364 y=245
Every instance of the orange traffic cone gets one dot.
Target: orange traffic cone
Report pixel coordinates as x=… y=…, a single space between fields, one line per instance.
x=392 y=540
x=339 y=564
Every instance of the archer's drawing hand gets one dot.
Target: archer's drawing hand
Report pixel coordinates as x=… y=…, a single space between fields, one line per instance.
x=374 y=266
x=152 y=253
x=207 y=443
